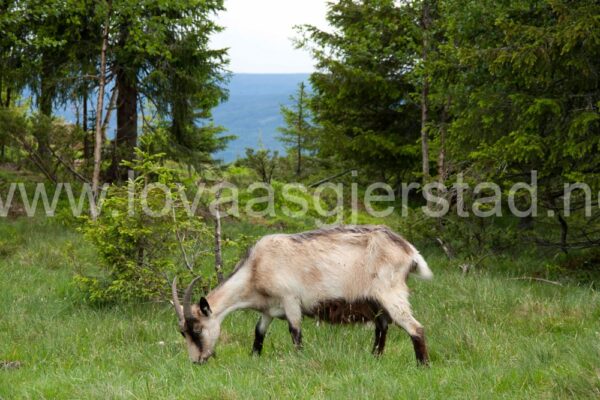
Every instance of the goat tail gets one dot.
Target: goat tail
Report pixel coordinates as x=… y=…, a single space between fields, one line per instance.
x=420 y=268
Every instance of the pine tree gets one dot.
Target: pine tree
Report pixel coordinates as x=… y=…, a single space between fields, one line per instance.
x=298 y=134
x=364 y=95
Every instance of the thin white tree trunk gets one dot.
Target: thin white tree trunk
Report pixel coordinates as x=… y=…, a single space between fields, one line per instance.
x=111 y=106
x=218 y=251
x=424 y=134
x=425 y=25
x=442 y=167
x=99 y=137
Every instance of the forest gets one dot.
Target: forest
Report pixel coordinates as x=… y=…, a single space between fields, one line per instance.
x=471 y=128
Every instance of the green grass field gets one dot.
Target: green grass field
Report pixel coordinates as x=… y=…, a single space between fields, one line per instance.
x=489 y=336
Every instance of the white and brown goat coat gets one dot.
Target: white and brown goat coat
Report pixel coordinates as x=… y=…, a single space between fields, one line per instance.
x=290 y=275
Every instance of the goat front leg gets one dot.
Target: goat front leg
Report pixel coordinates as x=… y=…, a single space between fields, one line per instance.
x=381 y=328
x=293 y=314
x=259 y=333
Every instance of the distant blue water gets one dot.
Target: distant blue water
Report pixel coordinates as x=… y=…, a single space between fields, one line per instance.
x=252 y=112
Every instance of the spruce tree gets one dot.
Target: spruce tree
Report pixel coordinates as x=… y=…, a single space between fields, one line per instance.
x=298 y=134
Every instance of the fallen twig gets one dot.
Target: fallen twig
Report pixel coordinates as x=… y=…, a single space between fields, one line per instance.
x=532 y=278
x=10 y=364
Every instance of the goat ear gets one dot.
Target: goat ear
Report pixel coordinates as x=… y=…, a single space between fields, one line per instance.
x=205 y=307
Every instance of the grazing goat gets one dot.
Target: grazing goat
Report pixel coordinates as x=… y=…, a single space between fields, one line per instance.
x=290 y=275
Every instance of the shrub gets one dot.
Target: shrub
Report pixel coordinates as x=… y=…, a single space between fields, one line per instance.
x=142 y=252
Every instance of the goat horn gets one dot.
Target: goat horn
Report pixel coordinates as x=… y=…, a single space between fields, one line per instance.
x=187 y=300
x=176 y=303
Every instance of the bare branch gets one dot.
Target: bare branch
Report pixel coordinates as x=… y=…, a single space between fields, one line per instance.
x=186 y=259
x=68 y=166
x=532 y=278
x=312 y=185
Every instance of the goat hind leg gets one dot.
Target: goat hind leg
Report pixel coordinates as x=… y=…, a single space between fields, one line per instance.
x=293 y=314
x=400 y=313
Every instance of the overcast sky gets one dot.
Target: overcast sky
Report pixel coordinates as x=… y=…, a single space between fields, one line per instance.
x=259 y=32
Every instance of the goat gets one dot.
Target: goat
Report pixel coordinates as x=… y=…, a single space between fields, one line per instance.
x=287 y=276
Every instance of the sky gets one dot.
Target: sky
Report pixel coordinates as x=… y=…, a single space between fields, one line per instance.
x=259 y=32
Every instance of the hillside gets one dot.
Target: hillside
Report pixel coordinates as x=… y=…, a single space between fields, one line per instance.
x=252 y=111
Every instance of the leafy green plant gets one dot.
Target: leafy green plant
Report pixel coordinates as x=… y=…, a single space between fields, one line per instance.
x=144 y=240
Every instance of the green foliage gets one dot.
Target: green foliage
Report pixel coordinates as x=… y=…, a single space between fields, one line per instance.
x=263 y=162
x=513 y=87
x=193 y=146
x=13 y=122
x=293 y=207
x=299 y=134
x=524 y=96
x=10 y=241
x=161 y=50
x=21 y=132
x=158 y=50
x=138 y=244
x=363 y=89
x=239 y=175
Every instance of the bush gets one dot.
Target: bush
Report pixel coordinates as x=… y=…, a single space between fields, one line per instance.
x=142 y=252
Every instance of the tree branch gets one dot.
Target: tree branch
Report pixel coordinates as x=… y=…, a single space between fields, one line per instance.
x=68 y=166
x=532 y=278
x=186 y=260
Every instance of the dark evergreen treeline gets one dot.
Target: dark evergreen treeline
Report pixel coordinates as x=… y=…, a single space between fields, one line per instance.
x=491 y=90
x=157 y=60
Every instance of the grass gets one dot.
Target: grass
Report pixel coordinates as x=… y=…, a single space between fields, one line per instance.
x=489 y=337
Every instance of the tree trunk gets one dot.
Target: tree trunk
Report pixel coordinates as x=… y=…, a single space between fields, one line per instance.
x=99 y=106
x=425 y=24
x=45 y=107
x=5 y=104
x=109 y=110
x=564 y=231
x=300 y=129
x=299 y=166
x=442 y=169
x=87 y=143
x=218 y=252
x=126 y=138
x=424 y=135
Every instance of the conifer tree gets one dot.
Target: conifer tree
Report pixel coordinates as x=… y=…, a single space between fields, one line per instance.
x=298 y=134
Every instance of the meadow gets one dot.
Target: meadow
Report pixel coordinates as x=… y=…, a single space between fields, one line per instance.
x=490 y=336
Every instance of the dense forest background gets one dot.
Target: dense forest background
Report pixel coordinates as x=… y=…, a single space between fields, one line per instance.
x=423 y=91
